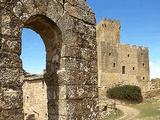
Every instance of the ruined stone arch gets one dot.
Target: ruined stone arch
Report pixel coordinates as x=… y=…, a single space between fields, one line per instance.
x=68 y=30
x=52 y=38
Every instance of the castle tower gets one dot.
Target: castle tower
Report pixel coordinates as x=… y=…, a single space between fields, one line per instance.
x=108 y=31
x=118 y=64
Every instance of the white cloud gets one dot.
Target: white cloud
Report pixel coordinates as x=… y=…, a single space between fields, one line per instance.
x=154 y=69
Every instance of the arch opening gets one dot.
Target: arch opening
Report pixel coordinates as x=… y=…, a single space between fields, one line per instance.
x=52 y=39
x=33 y=52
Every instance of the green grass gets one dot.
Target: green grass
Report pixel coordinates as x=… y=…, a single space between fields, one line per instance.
x=113 y=116
x=148 y=109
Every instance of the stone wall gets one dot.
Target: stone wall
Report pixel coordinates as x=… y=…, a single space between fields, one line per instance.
x=152 y=88
x=154 y=84
x=114 y=57
x=35 y=97
x=67 y=28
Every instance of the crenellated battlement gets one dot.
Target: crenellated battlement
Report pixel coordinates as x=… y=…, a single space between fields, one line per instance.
x=109 y=31
x=134 y=46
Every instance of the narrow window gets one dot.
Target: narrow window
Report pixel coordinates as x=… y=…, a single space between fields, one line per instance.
x=109 y=54
x=123 y=69
x=0 y=43
x=114 y=64
x=27 y=98
x=143 y=64
x=128 y=55
x=133 y=68
x=141 y=53
x=143 y=78
x=104 y=25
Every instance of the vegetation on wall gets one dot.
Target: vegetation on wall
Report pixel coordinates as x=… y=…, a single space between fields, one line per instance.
x=126 y=92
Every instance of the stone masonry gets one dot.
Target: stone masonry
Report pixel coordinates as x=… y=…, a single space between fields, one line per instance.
x=119 y=64
x=153 y=88
x=67 y=28
x=35 y=97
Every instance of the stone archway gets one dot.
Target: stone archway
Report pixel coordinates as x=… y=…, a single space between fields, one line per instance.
x=52 y=38
x=68 y=30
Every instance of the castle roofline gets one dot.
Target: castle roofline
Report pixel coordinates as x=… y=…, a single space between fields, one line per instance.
x=109 y=20
x=33 y=77
x=134 y=46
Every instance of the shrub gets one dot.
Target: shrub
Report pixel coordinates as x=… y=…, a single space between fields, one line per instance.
x=126 y=92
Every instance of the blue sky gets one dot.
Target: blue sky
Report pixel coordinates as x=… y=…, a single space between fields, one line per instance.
x=140 y=25
x=33 y=52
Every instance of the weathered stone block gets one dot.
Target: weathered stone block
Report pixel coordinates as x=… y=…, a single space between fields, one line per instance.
x=62 y=107
x=87 y=54
x=62 y=92
x=5 y=19
x=85 y=109
x=70 y=51
x=41 y=5
x=82 y=33
x=10 y=60
x=29 y=5
x=88 y=66
x=81 y=4
x=81 y=91
x=16 y=25
x=91 y=108
x=54 y=10
x=93 y=79
x=10 y=78
x=79 y=13
x=69 y=77
x=6 y=29
x=11 y=99
x=21 y=12
x=69 y=64
x=11 y=114
x=53 y=107
x=10 y=45
x=74 y=109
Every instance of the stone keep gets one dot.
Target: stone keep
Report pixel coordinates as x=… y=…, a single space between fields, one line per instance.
x=119 y=64
x=67 y=28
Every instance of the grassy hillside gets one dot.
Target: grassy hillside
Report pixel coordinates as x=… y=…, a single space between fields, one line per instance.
x=149 y=109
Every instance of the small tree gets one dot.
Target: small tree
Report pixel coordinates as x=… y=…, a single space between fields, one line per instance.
x=126 y=92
